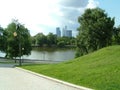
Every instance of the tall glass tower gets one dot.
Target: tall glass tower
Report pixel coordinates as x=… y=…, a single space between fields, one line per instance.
x=58 y=32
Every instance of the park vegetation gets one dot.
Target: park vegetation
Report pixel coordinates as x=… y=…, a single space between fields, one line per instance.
x=96 y=31
x=15 y=40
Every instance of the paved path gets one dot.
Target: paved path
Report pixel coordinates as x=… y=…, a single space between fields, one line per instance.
x=15 y=79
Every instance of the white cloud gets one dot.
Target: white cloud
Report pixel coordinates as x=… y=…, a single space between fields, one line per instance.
x=44 y=15
x=92 y=4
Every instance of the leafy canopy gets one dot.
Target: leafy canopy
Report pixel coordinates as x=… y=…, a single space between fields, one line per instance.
x=17 y=38
x=95 y=31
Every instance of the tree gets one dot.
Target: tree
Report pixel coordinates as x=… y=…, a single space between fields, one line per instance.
x=116 y=35
x=2 y=41
x=51 y=39
x=95 y=31
x=65 y=40
x=33 y=40
x=61 y=44
x=40 y=39
x=18 y=41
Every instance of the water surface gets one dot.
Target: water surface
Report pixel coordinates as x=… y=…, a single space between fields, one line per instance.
x=53 y=54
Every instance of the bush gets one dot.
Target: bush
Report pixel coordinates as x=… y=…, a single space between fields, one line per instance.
x=61 y=44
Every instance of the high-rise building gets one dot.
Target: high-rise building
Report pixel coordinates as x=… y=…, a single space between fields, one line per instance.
x=58 y=32
x=64 y=31
x=69 y=33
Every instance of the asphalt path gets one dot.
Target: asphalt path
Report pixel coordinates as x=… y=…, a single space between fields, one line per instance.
x=16 y=79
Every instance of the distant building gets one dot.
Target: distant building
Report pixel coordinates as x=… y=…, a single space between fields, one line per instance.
x=64 y=32
x=58 y=32
x=67 y=33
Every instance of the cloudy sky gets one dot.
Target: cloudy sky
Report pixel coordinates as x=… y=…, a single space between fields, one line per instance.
x=45 y=15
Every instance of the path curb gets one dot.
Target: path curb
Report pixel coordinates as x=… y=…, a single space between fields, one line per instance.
x=55 y=80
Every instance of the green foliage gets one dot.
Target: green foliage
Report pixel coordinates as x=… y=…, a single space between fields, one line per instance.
x=2 y=41
x=61 y=44
x=95 y=31
x=99 y=70
x=33 y=39
x=66 y=41
x=51 y=39
x=116 y=35
x=16 y=40
x=40 y=39
x=77 y=54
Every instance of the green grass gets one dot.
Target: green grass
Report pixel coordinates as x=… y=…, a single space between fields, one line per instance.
x=99 y=70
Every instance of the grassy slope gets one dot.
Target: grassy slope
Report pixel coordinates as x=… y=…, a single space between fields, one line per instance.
x=99 y=70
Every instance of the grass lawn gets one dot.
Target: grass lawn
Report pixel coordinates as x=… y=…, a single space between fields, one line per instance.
x=99 y=70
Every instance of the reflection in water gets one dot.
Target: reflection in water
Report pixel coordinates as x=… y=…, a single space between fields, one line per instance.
x=51 y=54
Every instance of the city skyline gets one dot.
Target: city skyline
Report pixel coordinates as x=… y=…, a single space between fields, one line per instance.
x=64 y=32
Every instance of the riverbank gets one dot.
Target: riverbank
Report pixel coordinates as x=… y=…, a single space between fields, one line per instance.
x=55 y=46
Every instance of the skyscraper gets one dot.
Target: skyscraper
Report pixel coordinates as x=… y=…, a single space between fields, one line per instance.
x=58 y=32
x=64 y=31
x=67 y=33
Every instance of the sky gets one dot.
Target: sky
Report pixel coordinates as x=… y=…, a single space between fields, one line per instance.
x=43 y=16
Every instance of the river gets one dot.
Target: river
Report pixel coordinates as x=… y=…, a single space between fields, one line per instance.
x=53 y=54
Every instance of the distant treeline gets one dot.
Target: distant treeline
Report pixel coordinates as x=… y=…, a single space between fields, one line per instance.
x=50 y=40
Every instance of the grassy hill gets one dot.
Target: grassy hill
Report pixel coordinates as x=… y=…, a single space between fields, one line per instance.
x=99 y=70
